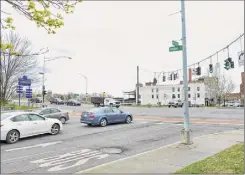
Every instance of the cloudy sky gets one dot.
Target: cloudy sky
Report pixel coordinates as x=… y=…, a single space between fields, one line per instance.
x=107 y=40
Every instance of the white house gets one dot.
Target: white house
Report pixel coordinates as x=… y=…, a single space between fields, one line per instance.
x=163 y=94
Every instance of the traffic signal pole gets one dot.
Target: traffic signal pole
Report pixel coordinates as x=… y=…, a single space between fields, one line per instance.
x=185 y=133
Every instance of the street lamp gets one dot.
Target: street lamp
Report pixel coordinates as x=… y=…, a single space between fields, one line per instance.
x=86 y=84
x=46 y=59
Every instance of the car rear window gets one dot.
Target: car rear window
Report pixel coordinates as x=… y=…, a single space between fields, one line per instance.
x=96 y=110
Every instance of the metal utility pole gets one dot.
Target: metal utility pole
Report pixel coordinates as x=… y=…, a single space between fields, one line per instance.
x=43 y=87
x=137 y=87
x=86 y=85
x=185 y=132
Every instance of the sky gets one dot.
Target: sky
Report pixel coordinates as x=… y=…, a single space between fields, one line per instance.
x=107 y=40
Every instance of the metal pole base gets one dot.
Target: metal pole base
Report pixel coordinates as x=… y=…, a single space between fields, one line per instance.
x=185 y=137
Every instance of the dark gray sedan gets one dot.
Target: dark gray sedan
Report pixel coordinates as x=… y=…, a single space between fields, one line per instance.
x=54 y=113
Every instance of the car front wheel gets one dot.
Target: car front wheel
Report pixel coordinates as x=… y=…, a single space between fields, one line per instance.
x=13 y=136
x=128 y=119
x=63 y=120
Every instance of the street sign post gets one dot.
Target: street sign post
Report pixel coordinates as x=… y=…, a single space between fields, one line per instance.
x=29 y=93
x=175 y=43
x=24 y=81
x=175 y=48
x=19 y=90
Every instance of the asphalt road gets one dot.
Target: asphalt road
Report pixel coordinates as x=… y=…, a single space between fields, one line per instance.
x=201 y=112
x=79 y=147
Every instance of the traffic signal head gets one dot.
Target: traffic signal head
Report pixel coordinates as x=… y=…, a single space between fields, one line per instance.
x=232 y=64
x=229 y=59
x=210 y=68
x=164 y=78
x=227 y=64
x=44 y=92
x=198 y=70
x=154 y=81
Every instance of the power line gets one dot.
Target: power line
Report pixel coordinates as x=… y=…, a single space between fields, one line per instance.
x=209 y=57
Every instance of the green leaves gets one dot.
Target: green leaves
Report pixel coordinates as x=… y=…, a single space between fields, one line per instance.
x=40 y=11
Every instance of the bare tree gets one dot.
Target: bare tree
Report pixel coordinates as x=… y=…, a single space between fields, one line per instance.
x=14 y=67
x=219 y=86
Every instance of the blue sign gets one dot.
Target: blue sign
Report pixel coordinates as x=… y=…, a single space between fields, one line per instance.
x=19 y=89
x=28 y=93
x=24 y=81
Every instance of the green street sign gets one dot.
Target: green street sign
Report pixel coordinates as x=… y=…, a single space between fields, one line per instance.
x=175 y=43
x=175 y=48
x=76 y=95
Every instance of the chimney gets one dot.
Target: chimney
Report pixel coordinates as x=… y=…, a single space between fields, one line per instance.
x=190 y=75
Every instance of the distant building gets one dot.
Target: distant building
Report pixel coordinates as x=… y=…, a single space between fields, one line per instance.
x=163 y=94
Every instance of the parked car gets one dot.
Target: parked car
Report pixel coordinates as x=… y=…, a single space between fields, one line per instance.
x=73 y=103
x=16 y=125
x=105 y=115
x=57 y=101
x=54 y=113
x=36 y=100
x=176 y=104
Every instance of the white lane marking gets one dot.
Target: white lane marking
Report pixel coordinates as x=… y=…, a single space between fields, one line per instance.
x=34 y=146
x=62 y=162
x=143 y=122
x=17 y=158
x=160 y=123
x=136 y=155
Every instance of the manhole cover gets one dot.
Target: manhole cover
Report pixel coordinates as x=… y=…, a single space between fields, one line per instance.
x=111 y=150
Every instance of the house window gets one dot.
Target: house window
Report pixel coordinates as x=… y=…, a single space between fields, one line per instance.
x=198 y=88
x=173 y=89
x=157 y=96
x=178 y=95
x=178 y=89
x=189 y=95
x=189 y=88
x=152 y=96
x=198 y=95
x=173 y=96
x=152 y=90
x=156 y=89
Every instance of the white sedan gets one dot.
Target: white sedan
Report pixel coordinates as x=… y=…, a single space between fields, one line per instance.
x=16 y=125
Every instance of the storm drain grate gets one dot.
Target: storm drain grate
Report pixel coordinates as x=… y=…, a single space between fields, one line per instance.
x=111 y=150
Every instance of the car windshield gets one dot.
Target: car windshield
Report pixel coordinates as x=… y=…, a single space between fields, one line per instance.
x=96 y=110
x=5 y=115
x=38 y=111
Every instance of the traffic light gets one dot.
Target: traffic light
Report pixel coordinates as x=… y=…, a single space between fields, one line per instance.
x=232 y=64
x=164 y=78
x=198 y=70
x=227 y=64
x=154 y=81
x=44 y=92
x=210 y=68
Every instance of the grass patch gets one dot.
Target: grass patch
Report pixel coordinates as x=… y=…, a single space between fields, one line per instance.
x=228 y=161
x=17 y=107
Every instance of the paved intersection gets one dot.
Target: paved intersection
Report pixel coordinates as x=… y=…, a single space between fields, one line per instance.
x=80 y=147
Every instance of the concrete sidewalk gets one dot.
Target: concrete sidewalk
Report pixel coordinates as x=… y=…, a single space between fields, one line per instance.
x=171 y=158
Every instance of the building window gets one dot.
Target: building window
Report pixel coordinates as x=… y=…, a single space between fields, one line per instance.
x=178 y=95
x=189 y=95
x=173 y=96
x=198 y=95
x=173 y=89
x=152 y=90
x=189 y=88
x=156 y=89
x=157 y=96
x=178 y=89
x=198 y=88
x=152 y=96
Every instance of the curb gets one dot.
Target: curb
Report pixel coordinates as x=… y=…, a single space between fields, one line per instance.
x=150 y=151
